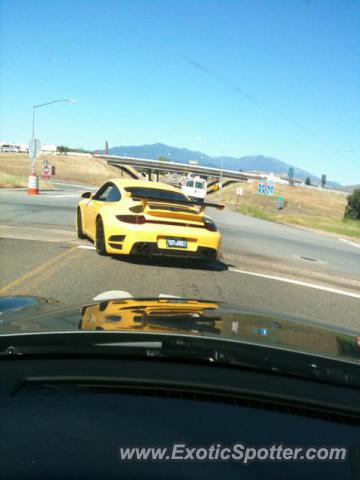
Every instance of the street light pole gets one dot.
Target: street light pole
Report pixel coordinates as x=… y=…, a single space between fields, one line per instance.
x=33 y=124
x=221 y=173
x=66 y=100
x=33 y=185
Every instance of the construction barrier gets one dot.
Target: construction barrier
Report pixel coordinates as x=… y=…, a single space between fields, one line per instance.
x=33 y=185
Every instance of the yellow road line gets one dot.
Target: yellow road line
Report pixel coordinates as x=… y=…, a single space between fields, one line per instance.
x=42 y=271
x=50 y=272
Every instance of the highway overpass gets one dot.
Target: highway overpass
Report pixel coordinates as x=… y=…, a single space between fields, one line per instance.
x=156 y=165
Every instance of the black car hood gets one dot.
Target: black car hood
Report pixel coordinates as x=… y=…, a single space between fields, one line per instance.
x=181 y=317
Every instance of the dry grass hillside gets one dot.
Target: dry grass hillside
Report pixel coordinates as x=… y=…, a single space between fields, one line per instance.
x=8 y=180
x=307 y=207
x=14 y=169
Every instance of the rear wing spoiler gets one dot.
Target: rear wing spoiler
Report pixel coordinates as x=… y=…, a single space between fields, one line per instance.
x=199 y=203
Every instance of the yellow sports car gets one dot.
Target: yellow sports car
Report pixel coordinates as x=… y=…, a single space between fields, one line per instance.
x=136 y=217
x=153 y=315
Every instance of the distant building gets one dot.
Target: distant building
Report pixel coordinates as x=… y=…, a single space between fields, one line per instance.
x=280 y=178
x=294 y=180
x=13 y=147
x=79 y=154
x=47 y=149
x=23 y=148
x=271 y=177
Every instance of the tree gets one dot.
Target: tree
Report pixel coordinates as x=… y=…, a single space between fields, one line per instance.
x=62 y=149
x=323 y=181
x=308 y=181
x=352 y=210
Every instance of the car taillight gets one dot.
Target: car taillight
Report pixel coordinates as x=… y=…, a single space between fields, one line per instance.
x=135 y=219
x=210 y=226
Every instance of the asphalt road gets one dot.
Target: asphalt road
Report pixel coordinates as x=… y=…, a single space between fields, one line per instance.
x=243 y=237
x=40 y=255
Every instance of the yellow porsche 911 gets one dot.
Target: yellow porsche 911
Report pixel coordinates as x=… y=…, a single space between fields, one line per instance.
x=136 y=217
x=152 y=315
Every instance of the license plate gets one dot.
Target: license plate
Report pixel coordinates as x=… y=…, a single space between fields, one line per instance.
x=176 y=243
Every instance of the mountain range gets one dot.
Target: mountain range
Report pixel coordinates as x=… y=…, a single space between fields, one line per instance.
x=183 y=155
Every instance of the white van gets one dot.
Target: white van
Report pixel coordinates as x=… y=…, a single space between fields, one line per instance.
x=194 y=187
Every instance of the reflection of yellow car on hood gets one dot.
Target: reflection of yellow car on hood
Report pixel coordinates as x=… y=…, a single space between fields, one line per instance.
x=162 y=315
x=147 y=218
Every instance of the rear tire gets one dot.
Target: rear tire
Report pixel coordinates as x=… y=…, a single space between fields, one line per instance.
x=100 y=238
x=80 y=231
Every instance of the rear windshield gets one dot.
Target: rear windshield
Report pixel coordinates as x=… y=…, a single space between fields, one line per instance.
x=199 y=185
x=156 y=193
x=190 y=183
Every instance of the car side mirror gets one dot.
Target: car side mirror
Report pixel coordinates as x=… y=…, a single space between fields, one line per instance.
x=86 y=195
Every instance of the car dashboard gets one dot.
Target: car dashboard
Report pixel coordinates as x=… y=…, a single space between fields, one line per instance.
x=68 y=418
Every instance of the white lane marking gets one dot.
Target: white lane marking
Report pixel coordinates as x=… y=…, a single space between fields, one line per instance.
x=86 y=247
x=75 y=185
x=297 y=282
x=349 y=242
x=62 y=195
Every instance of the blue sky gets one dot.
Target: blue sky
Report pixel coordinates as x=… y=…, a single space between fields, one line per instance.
x=272 y=77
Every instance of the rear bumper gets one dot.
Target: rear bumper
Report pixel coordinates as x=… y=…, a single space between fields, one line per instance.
x=151 y=249
x=150 y=239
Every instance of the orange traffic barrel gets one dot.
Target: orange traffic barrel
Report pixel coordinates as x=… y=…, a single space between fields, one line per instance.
x=33 y=185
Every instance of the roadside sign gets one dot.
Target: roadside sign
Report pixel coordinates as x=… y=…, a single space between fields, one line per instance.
x=240 y=191
x=34 y=151
x=279 y=203
x=262 y=188
x=46 y=171
x=266 y=188
x=270 y=189
x=34 y=148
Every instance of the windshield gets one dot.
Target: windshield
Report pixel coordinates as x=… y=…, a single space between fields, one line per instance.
x=179 y=239
x=156 y=193
x=202 y=150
